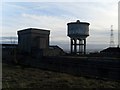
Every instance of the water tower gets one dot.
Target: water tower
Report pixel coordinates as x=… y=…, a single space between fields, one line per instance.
x=78 y=32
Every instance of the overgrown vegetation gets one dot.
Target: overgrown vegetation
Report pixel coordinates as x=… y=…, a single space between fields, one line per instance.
x=18 y=77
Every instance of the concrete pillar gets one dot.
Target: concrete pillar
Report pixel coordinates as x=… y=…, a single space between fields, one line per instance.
x=84 y=46
x=79 y=46
x=75 y=46
x=71 y=45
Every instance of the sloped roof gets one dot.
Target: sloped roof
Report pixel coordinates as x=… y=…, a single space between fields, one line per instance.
x=111 y=49
x=55 y=47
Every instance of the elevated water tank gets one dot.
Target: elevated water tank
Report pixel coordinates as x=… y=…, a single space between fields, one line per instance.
x=78 y=29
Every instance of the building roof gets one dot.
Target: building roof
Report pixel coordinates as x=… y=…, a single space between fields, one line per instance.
x=55 y=47
x=78 y=22
x=34 y=30
x=112 y=50
x=9 y=45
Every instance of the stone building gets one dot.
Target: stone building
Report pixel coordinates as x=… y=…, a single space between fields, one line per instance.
x=53 y=51
x=111 y=52
x=32 y=39
x=8 y=52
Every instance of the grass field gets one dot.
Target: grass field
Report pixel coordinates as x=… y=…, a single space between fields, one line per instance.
x=18 y=77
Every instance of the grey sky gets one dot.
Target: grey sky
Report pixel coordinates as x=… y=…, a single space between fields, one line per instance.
x=55 y=16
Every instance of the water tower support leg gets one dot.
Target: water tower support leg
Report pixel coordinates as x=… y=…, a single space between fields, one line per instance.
x=75 y=46
x=80 y=48
x=71 y=45
x=84 y=46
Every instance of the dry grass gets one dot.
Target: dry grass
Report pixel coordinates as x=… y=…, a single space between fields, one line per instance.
x=17 y=77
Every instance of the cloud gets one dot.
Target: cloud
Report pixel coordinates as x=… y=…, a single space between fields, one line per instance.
x=61 y=1
x=55 y=16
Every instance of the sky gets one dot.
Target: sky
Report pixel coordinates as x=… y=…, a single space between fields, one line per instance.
x=54 y=16
x=119 y=23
